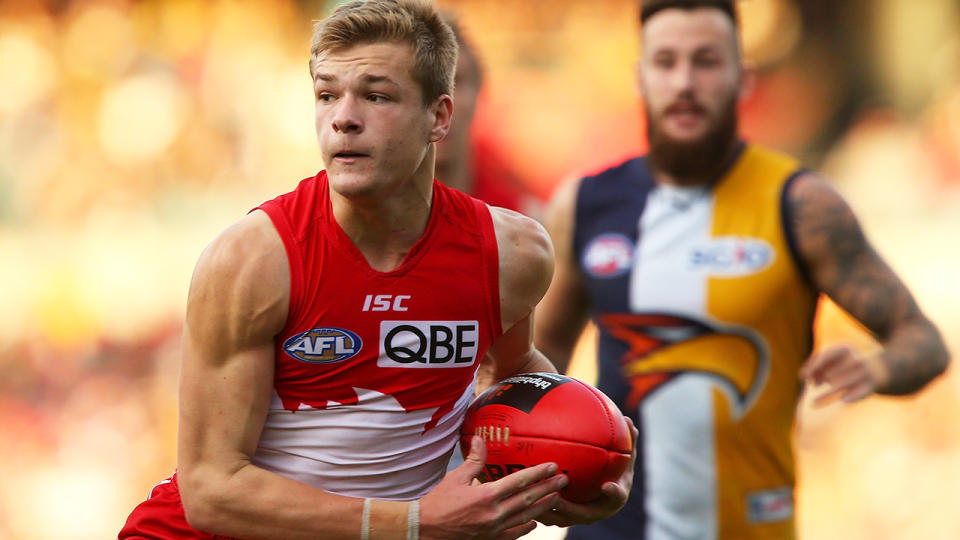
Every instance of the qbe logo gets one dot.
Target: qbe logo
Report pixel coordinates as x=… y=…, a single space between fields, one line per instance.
x=428 y=344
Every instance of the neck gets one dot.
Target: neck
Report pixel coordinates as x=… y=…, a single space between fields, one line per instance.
x=386 y=228
x=457 y=173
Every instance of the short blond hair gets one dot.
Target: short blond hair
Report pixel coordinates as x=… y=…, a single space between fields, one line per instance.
x=413 y=22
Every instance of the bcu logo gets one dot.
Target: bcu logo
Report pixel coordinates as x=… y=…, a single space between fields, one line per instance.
x=732 y=256
x=323 y=345
x=428 y=344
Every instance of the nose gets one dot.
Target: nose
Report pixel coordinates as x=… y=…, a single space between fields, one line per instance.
x=347 y=117
x=682 y=76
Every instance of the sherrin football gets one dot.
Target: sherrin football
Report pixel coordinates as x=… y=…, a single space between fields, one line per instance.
x=545 y=417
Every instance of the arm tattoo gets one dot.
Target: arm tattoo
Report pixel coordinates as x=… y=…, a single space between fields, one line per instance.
x=842 y=263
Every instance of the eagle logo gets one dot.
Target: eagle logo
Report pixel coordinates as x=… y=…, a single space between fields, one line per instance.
x=663 y=346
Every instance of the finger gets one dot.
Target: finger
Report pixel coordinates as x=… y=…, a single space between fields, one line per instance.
x=827 y=397
x=534 y=496
x=472 y=465
x=570 y=513
x=846 y=375
x=822 y=361
x=615 y=493
x=531 y=512
x=858 y=392
x=518 y=531
x=517 y=481
x=553 y=517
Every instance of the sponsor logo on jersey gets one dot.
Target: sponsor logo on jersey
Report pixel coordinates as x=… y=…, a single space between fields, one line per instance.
x=323 y=345
x=770 y=505
x=662 y=346
x=732 y=256
x=608 y=255
x=428 y=344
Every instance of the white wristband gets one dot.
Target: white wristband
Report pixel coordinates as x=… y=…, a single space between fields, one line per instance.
x=365 y=521
x=413 y=521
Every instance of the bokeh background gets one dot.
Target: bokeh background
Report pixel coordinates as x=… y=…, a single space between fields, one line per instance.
x=132 y=132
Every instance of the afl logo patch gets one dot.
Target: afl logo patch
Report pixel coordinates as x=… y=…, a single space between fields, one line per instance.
x=608 y=255
x=323 y=345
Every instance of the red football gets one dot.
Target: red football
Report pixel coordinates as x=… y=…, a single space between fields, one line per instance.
x=545 y=417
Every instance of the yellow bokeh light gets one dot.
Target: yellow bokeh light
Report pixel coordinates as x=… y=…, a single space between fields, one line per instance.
x=140 y=117
x=28 y=72
x=98 y=42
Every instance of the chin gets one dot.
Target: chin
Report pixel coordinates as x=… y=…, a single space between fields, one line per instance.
x=352 y=184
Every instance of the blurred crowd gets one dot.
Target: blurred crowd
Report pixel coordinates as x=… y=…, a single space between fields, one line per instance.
x=131 y=132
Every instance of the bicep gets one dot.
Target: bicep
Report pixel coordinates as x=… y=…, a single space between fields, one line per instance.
x=840 y=260
x=237 y=303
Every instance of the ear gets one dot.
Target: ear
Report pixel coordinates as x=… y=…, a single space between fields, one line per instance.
x=441 y=110
x=748 y=79
x=638 y=74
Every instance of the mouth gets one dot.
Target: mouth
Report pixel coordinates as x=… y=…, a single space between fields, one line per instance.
x=686 y=108
x=349 y=156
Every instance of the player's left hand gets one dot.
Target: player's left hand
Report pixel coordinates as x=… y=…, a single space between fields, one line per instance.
x=850 y=376
x=566 y=513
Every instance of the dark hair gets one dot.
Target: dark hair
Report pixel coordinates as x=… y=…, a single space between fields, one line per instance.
x=413 y=22
x=649 y=7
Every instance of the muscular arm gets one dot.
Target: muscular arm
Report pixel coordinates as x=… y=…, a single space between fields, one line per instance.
x=526 y=265
x=562 y=313
x=238 y=301
x=843 y=264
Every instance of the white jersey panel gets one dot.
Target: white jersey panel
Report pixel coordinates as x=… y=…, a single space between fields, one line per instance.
x=663 y=280
x=678 y=417
x=372 y=448
x=679 y=455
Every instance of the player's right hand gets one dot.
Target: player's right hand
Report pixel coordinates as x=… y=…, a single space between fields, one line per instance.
x=458 y=508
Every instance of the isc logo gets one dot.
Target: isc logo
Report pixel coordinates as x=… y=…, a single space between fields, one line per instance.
x=323 y=345
x=428 y=344
x=385 y=302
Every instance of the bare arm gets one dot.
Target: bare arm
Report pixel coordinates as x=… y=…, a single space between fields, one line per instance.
x=526 y=264
x=238 y=301
x=843 y=264
x=562 y=313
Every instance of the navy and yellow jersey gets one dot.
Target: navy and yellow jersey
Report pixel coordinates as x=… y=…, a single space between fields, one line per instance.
x=704 y=319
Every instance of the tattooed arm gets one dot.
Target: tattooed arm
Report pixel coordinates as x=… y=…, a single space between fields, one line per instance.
x=842 y=263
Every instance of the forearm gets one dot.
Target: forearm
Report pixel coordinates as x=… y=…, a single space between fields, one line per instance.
x=914 y=354
x=254 y=503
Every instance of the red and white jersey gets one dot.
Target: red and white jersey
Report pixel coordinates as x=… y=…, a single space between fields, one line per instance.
x=374 y=370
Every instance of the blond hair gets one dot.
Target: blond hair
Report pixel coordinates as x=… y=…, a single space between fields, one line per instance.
x=412 y=22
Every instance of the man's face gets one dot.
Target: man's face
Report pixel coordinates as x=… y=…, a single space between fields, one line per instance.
x=690 y=78
x=373 y=128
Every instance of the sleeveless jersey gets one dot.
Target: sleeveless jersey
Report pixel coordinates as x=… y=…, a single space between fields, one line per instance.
x=704 y=319
x=375 y=370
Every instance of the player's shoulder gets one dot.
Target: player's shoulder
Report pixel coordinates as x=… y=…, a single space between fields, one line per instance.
x=525 y=253
x=809 y=190
x=249 y=255
x=519 y=232
x=241 y=283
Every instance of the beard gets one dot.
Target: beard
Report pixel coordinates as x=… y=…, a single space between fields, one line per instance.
x=699 y=160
